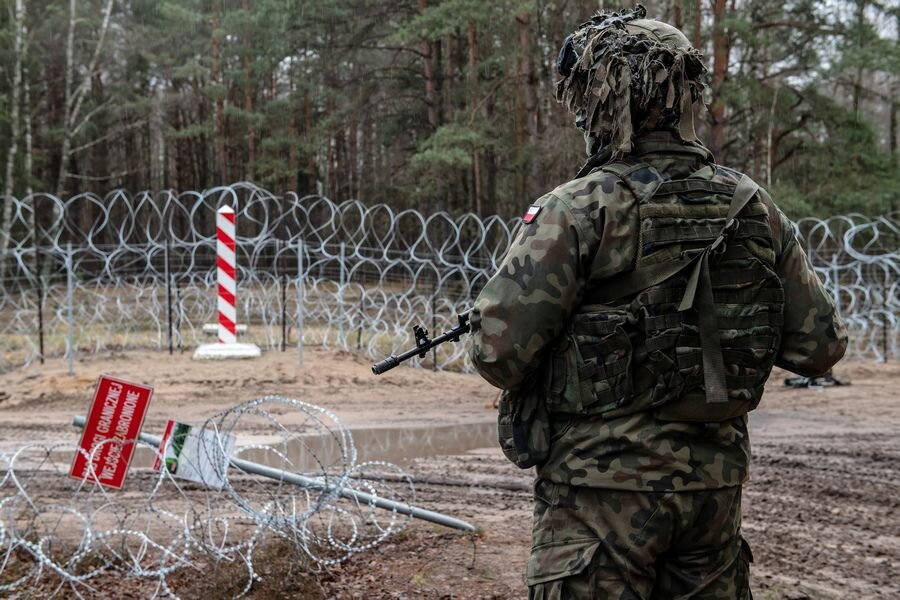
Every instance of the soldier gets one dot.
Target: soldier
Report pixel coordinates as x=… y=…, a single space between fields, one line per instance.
x=632 y=326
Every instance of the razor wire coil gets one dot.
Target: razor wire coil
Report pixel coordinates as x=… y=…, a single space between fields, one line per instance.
x=368 y=272
x=71 y=533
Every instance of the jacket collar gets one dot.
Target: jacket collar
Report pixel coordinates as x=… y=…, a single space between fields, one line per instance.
x=663 y=150
x=666 y=142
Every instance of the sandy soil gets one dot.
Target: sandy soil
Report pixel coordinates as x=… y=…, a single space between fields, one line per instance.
x=822 y=508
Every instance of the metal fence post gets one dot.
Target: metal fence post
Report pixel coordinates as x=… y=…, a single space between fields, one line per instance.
x=283 y=280
x=179 y=316
x=168 y=276
x=37 y=275
x=362 y=313
x=70 y=311
x=341 y=313
x=884 y=308
x=835 y=278
x=39 y=282
x=434 y=366
x=300 y=292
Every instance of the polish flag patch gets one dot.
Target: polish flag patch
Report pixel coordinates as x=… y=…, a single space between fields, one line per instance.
x=531 y=214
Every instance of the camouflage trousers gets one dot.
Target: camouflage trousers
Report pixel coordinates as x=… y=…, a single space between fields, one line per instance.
x=601 y=544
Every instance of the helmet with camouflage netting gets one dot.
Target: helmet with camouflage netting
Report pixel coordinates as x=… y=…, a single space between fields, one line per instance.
x=623 y=73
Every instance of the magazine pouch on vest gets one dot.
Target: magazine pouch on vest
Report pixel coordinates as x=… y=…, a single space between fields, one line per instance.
x=523 y=425
x=694 y=330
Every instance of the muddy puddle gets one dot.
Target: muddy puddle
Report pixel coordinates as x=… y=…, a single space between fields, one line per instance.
x=310 y=453
x=399 y=445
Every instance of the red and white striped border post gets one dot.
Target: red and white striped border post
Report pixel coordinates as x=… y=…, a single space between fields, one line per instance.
x=227 y=275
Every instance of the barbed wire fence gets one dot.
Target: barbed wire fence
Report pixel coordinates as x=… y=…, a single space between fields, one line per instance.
x=95 y=273
x=858 y=259
x=172 y=537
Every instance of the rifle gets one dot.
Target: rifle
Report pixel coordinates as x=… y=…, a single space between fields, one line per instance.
x=423 y=344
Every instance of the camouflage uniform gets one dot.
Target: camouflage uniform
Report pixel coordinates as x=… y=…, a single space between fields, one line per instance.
x=603 y=544
x=629 y=504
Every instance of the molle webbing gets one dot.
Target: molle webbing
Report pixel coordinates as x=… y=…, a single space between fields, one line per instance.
x=699 y=211
x=698 y=292
x=708 y=231
x=684 y=186
x=672 y=295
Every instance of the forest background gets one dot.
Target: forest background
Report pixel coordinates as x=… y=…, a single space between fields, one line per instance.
x=433 y=104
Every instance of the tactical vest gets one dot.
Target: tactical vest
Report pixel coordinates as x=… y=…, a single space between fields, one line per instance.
x=693 y=331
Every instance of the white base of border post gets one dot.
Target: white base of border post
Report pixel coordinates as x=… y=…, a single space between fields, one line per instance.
x=226 y=351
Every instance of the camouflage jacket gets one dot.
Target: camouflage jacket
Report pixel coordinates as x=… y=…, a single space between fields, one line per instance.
x=527 y=304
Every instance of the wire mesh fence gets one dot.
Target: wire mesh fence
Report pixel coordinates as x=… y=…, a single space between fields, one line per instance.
x=91 y=273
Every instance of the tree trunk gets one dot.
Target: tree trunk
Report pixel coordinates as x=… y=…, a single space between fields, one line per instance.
x=354 y=159
x=449 y=73
x=369 y=181
x=248 y=101
x=293 y=156
x=698 y=25
x=490 y=156
x=428 y=73
x=861 y=42
x=677 y=17
x=98 y=163
x=8 y=187
x=894 y=108
x=437 y=63
x=174 y=162
x=201 y=155
x=311 y=166
x=473 y=97
x=67 y=121
x=216 y=74
x=29 y=150
x=720 y=70
x=74 y=98
x=895 y=104
x=528 y=118
x=770 y=144
x=157 y=143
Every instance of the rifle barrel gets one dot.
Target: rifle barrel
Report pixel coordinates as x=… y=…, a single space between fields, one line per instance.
x=393 y=360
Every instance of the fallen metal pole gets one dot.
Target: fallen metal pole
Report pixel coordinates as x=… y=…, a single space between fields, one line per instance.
x=307 y=482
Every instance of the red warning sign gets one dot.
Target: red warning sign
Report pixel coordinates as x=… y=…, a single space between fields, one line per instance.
x=117 y=413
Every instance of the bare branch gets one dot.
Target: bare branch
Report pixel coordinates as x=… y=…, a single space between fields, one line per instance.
x=97 y=109
x=112 y=134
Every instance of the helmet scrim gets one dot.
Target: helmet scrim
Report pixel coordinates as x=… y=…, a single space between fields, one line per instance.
x=623 y=73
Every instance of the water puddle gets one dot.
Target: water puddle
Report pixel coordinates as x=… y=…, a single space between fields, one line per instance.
x=399 y=445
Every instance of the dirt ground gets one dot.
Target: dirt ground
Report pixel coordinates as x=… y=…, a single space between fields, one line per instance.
x=822 y=507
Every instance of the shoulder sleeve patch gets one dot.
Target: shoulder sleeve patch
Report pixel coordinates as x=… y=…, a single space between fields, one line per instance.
x=531 y=214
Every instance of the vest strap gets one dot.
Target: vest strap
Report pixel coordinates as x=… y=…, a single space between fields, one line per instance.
x=699 y=293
